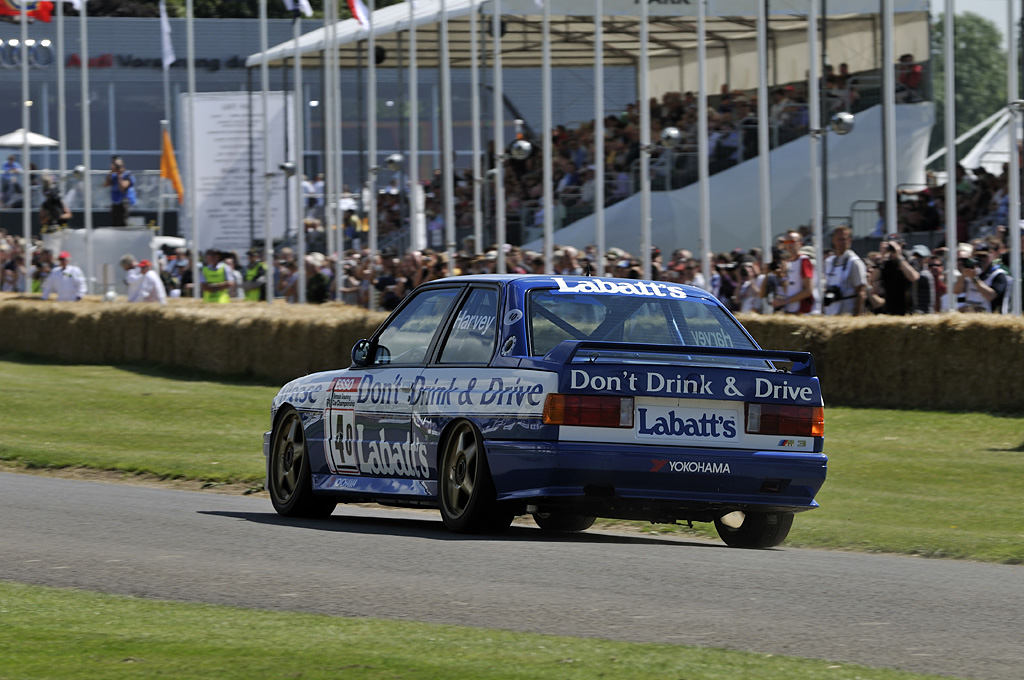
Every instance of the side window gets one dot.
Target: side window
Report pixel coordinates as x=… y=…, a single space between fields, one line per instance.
x=407 y=337
x=471 y=340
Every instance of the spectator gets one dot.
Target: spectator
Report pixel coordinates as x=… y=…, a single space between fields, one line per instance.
x=317 y=284
x=924 y=287
x=897 y=278
x=122 y=192
x=132 y=276
x=846 y=277
x=151 y=286
x=66 y=281
x=255 y=284
x=908 y=80
x=216 y=280
x=984 y=286
x=10 y=183
x=797 y=294
x=53 y=213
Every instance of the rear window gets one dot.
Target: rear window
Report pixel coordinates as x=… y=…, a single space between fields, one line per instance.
x=555 y=316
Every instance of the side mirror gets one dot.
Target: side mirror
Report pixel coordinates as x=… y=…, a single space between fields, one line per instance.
x=361 y=353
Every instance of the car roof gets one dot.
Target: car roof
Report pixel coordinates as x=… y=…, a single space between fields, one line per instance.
x=527 y=281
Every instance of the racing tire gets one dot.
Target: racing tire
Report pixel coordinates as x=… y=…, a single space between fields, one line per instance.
x=758 y=530
x=468 y=500
x=563 y=522
x=289 y=480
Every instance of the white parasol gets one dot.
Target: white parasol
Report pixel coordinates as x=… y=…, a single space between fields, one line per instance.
x=17 y=139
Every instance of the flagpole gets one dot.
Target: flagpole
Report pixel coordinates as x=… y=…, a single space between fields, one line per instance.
x=26 y=159
x=62 y=123
x=500 y=230
x=645 y=148
x=83 y=29
x=268 y=239
x=950 y=124
x=763 y=147
x=1013 y=212
x=548 y=171
x=416 y=227
x=447 y=166
x=371 y=118
x=300 y=165
x=703 y=171
x=329 y=116
x=599 y=165
x=474 y=71
x=167 y=58
x=190 y=134
x=815 y=140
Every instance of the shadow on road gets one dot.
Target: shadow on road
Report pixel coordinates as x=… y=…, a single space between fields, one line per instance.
x=431 y=528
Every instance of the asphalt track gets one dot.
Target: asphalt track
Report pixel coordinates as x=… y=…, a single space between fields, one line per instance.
x=954 y=618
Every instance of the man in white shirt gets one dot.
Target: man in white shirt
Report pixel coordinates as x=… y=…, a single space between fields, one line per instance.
x=67 y=281
x=150 y=288
x=846 y=277
x=132 y=276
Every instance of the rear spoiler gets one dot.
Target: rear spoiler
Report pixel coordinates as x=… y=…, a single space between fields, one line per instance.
x=565 y=351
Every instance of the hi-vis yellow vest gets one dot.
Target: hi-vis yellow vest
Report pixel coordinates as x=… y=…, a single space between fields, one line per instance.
x=218 y=275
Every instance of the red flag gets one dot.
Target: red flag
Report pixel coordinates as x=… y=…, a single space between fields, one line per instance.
x=33 y=8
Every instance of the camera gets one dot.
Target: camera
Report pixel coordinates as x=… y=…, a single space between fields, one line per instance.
x=968 y=263
x=833 y=294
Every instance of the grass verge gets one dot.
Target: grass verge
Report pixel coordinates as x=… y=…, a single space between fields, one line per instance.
x=927 y=483
x=54 y=633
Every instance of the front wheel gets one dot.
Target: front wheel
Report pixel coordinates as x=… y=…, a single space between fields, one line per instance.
x=468 y=499
x=562 y=521
x=288 y=473
x=754 y=529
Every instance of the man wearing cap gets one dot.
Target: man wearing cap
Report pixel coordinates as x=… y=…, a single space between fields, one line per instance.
x=846 y=277
x=67 y=281
x=898 y=277
x=151 y=286
x=255 y=284
x=215 y=278
x=984 y=285
x=122 y=192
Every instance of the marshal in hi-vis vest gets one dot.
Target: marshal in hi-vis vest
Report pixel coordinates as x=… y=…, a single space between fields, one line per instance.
x=216 y=275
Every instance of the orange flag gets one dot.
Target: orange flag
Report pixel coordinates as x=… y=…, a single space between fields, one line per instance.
x=169 y=167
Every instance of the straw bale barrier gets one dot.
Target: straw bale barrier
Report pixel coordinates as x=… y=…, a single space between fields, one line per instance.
x=931 y=362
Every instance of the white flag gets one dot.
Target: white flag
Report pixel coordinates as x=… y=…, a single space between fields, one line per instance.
x=165 y=33
x=359 y=11
x=77 y=5
x=300 y=6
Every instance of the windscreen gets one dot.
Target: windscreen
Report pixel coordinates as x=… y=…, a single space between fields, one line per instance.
x=555 y=316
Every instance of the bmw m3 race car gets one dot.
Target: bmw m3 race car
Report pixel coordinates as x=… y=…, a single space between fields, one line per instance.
x=567 y=398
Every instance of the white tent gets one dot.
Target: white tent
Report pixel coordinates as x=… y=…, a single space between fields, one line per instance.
x=16 y=139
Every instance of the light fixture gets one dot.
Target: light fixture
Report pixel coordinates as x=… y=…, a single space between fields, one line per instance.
x=671 y=137
x=841 y=123
x=288 y=168
x=314 y=103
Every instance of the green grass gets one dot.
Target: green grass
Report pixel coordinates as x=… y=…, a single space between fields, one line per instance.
x=914 y=482
x=54 y=633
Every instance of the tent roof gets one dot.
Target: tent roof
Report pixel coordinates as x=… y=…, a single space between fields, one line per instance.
x=672 y=29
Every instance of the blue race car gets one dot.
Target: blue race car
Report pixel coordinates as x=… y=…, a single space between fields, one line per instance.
x=564 y=397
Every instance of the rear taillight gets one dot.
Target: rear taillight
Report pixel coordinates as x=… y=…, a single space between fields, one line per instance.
x=591 y=411
x=800 y=421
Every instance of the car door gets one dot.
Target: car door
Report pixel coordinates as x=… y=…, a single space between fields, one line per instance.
x=368 y=418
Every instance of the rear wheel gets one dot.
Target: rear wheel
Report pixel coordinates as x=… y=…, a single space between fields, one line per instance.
x=468 y=499
x=563 y=522
x=754 y=529
x=289 y=477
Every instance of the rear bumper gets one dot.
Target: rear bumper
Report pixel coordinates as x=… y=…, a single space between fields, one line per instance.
x=639 y=481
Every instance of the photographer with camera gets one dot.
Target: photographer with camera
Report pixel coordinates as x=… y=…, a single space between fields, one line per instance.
x=846 y=277
x=797 y=296
x=898 y=278
x=983 y=285
x=122 y=192
x=53 y=213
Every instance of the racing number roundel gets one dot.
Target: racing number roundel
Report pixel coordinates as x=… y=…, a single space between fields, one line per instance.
x=340 y=426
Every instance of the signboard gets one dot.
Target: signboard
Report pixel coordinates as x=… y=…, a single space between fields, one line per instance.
x=227 y=148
